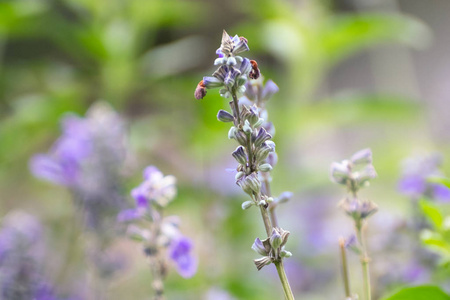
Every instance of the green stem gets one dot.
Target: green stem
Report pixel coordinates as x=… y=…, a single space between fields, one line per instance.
x=272 y=206
x=266 y=220
x=284 y=281
x=344 y=268
x=236 y=108
x=364 y=263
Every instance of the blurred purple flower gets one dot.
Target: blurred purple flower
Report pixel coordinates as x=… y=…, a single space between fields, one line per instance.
x=180 y=252
x=441 y=192
x=414 y=181
x=412 y=186
x=21 y=247
x=87 y=158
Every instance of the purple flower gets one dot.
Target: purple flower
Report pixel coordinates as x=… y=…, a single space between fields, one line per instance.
x=180 y=253
x=412 y=186
x=441 y=192
x=414 y=181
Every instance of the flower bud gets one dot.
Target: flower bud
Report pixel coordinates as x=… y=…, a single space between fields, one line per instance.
x=258 y=247
x=263 y=152
x=224 y=116
x=262 y=262
x=247 y=128
x=231 y=61
x=286 y=254
x=275 y=239
x=239 y=175
x=284 y=197
x=340 y=172
x=232 y=133
x=247 y=204
x=240 y=137
x=240 y=156
x=265 y=167
x=363 y=156
x=258 y=123
x=261 y=137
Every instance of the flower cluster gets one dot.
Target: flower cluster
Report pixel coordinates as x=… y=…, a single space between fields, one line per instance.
x=414 y=182
x=21 y=250
x=233 y=71
x=159 y=235
x=355 y=173
x=255 y=153
x=87 y=159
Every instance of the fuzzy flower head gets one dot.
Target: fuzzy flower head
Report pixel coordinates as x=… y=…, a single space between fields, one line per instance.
x=21 y=254
x=156 y=189
x=416 y=171
x=233 y=71
x=86 y=144
x=355 y=172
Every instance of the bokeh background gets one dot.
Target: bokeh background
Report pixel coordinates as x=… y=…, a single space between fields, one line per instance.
x=352 y=74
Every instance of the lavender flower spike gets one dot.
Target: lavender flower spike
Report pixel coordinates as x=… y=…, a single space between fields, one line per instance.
x=253 y=133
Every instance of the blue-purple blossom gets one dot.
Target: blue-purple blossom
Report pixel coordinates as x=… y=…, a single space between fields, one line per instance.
x=414 y=182
x=180 y=253
x=21 y=251
x=156 y=188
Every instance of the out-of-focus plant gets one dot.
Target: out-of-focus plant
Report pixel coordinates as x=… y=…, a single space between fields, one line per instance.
x=87 y=159
x=251 y=130
x=22 y=249
x=356 y=173
x=160 y=236
x=437 y=238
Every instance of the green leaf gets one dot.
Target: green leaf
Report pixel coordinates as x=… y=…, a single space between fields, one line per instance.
x=432 y=213
x=348 y=34
x=440 y=180
x=424 y=292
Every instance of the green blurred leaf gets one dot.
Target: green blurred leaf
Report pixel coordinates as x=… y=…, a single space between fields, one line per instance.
x=441 y=180
x=424 y=292
x=348 y=34
x=432 y=213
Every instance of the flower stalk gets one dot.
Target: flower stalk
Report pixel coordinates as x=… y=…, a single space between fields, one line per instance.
x=256 y=152
x=356 y=173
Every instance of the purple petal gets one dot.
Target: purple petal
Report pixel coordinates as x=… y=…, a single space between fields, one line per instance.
x=441 y=192
x=46 y=167
x=128 y=215
x=219 y=53
x=179 y=252
x=140 y=197
x=269 y=89
x=150 y=172
x=412 y=186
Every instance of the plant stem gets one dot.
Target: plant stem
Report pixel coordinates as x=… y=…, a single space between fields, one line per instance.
x=236 y=108
x=364 y=263
x=344 y=268
x=266 y=220
x=272 y=206
x=284 y=281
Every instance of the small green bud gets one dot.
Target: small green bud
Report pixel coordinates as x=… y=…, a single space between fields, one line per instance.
x=265 y=167
x=275 y=239
x=239 y=175
x=247 y=204
x=232 y=133
x=247 y=128
x=286 y=254
x=259 y=123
